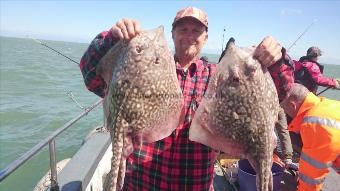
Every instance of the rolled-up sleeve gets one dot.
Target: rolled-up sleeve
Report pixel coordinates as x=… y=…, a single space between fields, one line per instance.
x=89 y=61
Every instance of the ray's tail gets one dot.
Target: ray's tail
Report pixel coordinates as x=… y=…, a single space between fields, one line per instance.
x=113 y=182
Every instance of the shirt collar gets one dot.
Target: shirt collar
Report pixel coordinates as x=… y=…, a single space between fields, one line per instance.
x=196 y=66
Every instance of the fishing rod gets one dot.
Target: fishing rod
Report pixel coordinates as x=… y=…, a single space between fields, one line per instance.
x=303 y=33
x=294 y=43
x=323 y=91
x=43 y=44
x=223 y=38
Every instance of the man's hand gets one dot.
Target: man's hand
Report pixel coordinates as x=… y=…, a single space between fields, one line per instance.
x=290 y=165
x=126 y=29
x=337 y=83
x=268 y=51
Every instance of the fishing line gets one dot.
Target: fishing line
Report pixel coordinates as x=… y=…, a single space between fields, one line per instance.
x=43 y=44
x=303 y=33
x=71 y=96
x=69 y=93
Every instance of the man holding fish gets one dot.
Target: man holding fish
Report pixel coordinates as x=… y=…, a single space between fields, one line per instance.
x=174 y=162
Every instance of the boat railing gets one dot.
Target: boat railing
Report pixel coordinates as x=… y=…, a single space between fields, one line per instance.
x=50 y=140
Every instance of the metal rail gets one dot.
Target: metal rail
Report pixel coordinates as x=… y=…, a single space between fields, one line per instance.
x=51 y=141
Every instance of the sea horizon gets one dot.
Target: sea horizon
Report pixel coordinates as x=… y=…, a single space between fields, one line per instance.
x=323 y=59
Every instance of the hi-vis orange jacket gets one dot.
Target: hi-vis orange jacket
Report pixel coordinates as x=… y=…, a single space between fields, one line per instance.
x=318 y=122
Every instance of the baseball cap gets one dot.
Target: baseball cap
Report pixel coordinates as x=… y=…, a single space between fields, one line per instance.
x=193 y=12
x=314 y=51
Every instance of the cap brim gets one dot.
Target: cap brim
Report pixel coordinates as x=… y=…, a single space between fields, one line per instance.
x=175 y=22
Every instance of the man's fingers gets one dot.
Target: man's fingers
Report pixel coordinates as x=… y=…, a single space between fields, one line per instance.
x=268 y=51
x=122 y=26
x=267 y=41
x=126 y=29
x=116 y=32
x=130 y=28
x=275 y=56
x=278 y=54
x=263 y=56
x=267 y=60
x=270 y=46
x=123 y=29
x=136 y=26
x=263 y=46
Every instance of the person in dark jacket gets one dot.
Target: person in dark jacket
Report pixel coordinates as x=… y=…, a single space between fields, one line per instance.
x=309 y=72
x=282 y=73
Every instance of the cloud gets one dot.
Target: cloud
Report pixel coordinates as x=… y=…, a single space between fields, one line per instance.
x=290 y=12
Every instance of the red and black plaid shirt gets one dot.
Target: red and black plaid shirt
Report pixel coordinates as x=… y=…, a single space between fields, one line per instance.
x=174 y=163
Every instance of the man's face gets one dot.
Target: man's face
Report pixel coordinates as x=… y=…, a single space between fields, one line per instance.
x=189 y=36
x=290 y=108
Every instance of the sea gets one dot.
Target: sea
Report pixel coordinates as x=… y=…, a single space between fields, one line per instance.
x=40 y=91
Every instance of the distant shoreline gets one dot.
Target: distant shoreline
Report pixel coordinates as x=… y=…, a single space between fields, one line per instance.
x=51 y=40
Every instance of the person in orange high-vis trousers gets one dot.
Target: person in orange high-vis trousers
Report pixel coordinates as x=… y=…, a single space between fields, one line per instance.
x=317 y=120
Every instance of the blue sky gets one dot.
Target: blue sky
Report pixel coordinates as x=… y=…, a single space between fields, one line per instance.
x=247 y=21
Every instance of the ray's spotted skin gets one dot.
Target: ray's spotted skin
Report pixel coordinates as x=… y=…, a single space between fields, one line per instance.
x=239 y=111
x=144 y=100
